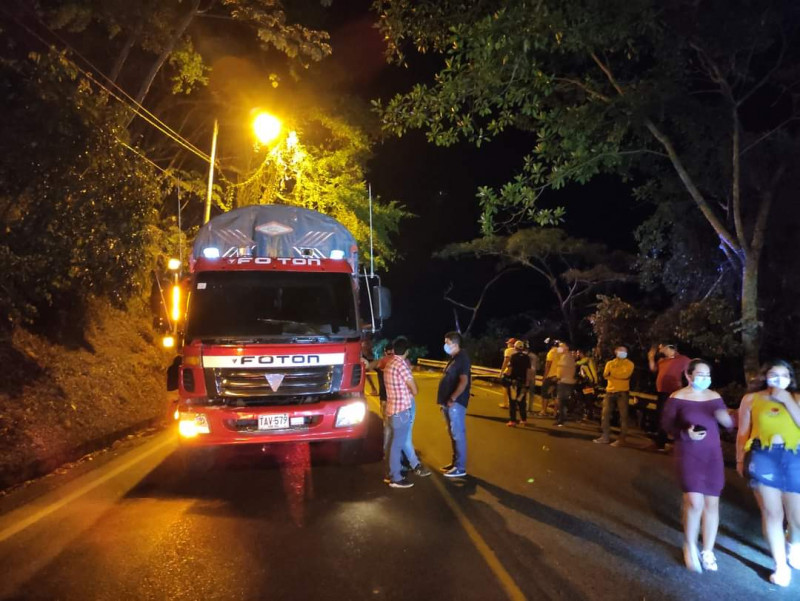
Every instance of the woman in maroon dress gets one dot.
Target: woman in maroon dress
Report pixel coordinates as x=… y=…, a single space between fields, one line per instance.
x=693 y=415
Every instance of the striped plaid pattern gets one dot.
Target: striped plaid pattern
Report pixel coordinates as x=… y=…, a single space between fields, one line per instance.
x=398 y=396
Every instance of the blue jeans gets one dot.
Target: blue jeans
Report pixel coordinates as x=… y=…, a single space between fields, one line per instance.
x=400 y=443
x=455 y=416
x=387 y=431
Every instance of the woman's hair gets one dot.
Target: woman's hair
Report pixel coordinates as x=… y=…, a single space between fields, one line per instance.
x=760 y=381
x=693 y=366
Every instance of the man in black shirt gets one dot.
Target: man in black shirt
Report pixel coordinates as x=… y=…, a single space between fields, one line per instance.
x=521 y=376
x=453 y=397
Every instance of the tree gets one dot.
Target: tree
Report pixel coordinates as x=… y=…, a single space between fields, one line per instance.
x=76 y=212
x=473 y=309
x=163 y=29
x=622 y=86
x=321 y=167
x=572 y=267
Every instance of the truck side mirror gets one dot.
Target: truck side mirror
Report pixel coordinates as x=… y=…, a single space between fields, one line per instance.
x=381 y=302
x=173 y=371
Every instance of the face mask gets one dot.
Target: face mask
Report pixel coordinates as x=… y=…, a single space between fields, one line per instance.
x=448 y=349
x=559 y=350
x=781 y=382
x=701 y=382
x=621 y=354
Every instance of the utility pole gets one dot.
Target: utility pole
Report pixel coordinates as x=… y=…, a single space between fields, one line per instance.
x=207 y=214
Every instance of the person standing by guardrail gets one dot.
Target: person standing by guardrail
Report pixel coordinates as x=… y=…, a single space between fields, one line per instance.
x=534 y=371
x=565 y=373
x=453 y=397
x=519 y=366
x=617 y=373
x=669 y=373
x=504 y=371
x=549 y=378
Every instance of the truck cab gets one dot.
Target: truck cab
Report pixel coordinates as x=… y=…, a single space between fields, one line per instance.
x=271 y=335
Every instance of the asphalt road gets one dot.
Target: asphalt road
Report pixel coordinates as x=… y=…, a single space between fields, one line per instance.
x=544 y=514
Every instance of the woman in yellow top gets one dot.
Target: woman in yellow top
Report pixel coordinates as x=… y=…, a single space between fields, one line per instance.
x=767 y=451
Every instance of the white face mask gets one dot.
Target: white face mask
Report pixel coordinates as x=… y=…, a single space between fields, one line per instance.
x=560 y=349
x=701 y=382
x=781 y=382
x=622 y=354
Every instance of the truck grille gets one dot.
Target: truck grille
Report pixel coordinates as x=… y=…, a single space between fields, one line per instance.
x=249 y=383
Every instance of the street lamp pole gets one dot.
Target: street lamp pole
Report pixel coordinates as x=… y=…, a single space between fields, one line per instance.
x=207 y=214
x=266 y=128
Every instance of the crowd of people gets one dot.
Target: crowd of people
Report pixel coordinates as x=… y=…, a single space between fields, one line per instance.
x=689 y=412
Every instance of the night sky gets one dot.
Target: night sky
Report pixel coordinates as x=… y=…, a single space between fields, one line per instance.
x=439 y=186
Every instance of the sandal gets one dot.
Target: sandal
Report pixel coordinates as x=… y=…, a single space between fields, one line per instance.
x=708 y=560
x=691 y=559
x=782 y=576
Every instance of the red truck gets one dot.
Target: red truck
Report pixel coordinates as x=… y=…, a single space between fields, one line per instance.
x=272 y=336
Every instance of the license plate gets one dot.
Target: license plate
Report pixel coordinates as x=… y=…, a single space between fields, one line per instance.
x=588 y=390
x=275 y=421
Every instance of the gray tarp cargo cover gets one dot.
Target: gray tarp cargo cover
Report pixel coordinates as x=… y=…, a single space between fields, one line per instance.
x=276 y=231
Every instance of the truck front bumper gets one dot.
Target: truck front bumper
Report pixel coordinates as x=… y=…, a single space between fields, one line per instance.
x=344 y=419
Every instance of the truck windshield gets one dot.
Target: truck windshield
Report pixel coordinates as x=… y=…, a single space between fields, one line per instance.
x=252 y=304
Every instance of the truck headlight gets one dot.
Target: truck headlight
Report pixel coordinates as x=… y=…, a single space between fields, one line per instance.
x=192 y=424
x=351 y=415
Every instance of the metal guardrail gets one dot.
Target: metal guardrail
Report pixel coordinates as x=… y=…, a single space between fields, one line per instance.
x=490 y=372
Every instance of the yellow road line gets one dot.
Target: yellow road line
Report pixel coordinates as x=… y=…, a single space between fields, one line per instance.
x=506 y=581
x=55 y=506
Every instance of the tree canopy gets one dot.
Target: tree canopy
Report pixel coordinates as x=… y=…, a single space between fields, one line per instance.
x=669 y=90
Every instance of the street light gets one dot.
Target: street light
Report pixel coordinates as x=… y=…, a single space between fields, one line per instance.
x=266 y=128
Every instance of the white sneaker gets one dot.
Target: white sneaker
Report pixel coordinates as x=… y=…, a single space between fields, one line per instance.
x=793 y=555
x=782 y=576
x=708 y=560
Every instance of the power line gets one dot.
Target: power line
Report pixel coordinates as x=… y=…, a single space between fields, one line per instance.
x=139 y=108
x=136 y=109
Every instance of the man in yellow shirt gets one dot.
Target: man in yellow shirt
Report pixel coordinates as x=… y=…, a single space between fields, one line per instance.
x=549 y=378
x=618 y=373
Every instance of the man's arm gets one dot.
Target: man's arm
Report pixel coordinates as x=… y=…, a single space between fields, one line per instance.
x=463 y=380
x=651 y=359
x=412 y=385
x=410 y=382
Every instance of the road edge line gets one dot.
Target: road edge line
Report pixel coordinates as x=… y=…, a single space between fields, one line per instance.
x=86 y=488
x=506 y=581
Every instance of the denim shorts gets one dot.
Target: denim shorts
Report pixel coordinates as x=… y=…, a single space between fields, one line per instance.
x=776 y=467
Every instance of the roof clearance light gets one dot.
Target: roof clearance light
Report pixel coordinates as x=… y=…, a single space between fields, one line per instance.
x=211 y=253
x=337 y=255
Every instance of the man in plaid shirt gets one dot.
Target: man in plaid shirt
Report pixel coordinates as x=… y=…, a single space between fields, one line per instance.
x=400 y=391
